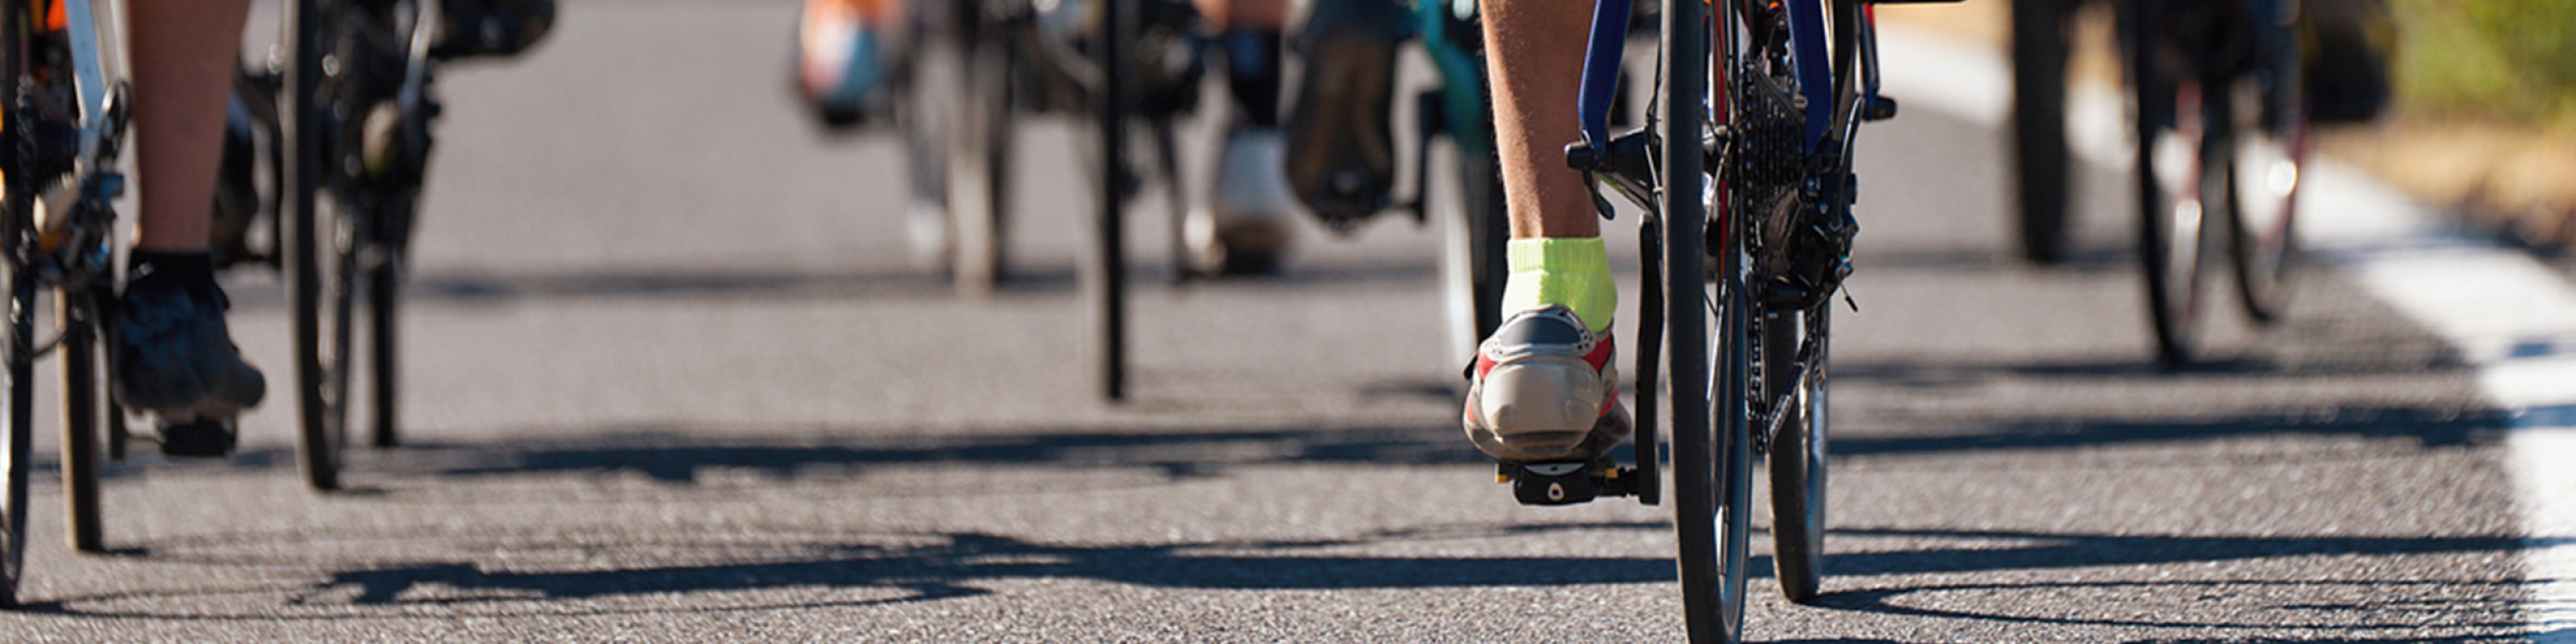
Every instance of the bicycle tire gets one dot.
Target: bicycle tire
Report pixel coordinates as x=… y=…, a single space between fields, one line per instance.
x=17 y=463
x=1476 y=226
x=17 y=349
x=2264 y=219
x=384 y=283
x=78 y=353
x=1106 y=281
x=2039 y=49
x=2173 y=182
x=1711 y=461
x=1797 y=460
x=320 y=411
x=979 y=165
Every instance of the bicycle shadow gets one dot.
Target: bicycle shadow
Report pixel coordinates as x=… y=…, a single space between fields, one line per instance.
x=676 y=455
x=2428 y=428
x=531 y=574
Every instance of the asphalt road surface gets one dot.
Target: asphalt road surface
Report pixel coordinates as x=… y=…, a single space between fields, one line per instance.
x=671 y=376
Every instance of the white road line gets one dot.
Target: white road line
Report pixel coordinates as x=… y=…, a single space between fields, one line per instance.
x=2512 y=320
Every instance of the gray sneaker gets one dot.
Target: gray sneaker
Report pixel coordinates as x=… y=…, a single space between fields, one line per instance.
x=174 y=358
x=1543 y=390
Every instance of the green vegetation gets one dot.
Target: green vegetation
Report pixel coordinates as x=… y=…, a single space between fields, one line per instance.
x=2513 y=60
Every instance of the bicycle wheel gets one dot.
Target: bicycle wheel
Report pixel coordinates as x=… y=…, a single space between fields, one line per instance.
x=1475 y=231
x=1797 y=452
x=318 y=275
x=17 y=349
x=384 y=281
x=2039 y=49
x=2173 y=179
x=79 y=356
x=20 y=359
x=2264 y=175
x=979 y=165
x=1712 y=461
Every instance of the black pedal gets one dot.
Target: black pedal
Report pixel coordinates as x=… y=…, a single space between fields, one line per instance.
x=200 y=438
x=1880 y=108
x=1567 y=483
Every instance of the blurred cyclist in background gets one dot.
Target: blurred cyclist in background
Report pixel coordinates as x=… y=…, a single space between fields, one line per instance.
x=847 y=50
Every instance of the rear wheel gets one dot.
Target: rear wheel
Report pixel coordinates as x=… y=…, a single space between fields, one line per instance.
x=1475 y=232
x=1797 y=456
x=2174 y=186
x=1711 y=458
x=2039 y=49
x=17 y=349
x=384 y=279
x=79 y=355
x=320 y=246
x=2264 y=176
x=20 y=443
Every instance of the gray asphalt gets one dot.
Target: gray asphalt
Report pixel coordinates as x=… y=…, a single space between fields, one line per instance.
x=671 y=377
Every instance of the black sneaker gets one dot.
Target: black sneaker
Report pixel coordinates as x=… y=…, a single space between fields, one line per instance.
x=175 y=359
x=1341 y=146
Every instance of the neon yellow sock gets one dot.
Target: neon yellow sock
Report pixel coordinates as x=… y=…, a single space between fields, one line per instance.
x=1573 y=272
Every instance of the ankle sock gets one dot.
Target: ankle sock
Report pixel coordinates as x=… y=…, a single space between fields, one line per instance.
x=1573 y=272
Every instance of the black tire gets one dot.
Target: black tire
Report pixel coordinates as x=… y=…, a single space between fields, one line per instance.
x=1477 y=230
x=1797 y=456
x=384 y=283
x=79 y=355
x=2263 y=179
x=2039 y=49
x=1711 y=457
x=20 y=441
x=2173 y=183
x=17 y=349
x=312 y=238
x=1105 y=281
x=978 y=178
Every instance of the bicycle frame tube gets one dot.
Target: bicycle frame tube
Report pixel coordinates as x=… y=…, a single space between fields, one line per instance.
x=1815 y=76
x=1601 y=57
x=1462 y=82
x=89 y=75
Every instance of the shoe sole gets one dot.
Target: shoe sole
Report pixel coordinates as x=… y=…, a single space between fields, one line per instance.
x=1357 y=76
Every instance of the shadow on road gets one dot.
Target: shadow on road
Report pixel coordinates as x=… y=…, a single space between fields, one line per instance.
x=555 y=573
x=674 y=455
x=894 y=283
x=2428 y=428
x=495 y=572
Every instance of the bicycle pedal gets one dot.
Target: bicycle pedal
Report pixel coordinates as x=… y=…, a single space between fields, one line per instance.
x=1567 y=483
x=198 y=438
x=1880 y=108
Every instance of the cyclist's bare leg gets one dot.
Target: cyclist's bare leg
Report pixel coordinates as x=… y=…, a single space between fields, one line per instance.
x=185 y=52
x=172 y=353
x=1241 y=226
x=1543 y=388
x=1536 y=62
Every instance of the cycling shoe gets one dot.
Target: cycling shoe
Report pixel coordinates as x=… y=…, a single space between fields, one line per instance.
x=1543 y=389
x=1341 y=148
